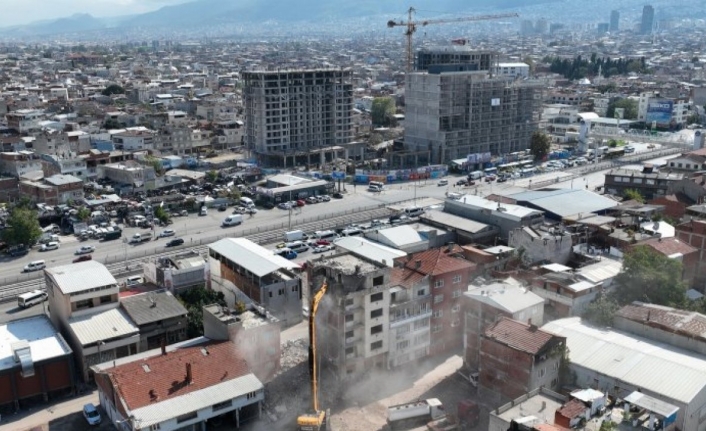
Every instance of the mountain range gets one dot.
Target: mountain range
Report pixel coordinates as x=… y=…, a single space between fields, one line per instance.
x=205 y=13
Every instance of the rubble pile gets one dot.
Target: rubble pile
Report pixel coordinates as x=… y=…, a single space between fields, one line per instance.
x=294 y=352
x=288 y=393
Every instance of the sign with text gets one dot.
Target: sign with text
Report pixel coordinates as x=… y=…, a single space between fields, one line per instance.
x=659 y=111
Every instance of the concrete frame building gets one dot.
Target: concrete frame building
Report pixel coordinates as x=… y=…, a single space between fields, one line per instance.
x=454 y=55
x=291 y=113
x=451 y=115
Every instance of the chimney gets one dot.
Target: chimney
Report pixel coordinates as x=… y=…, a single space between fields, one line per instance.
x=189 y=376
x=417 y=264
x=450 y=247
x=163 y=345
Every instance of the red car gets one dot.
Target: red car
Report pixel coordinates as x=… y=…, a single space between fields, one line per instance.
x=301 y=203
x=83 y=258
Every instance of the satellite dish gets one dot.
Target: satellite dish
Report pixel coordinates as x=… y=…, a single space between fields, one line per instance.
x=655 y=227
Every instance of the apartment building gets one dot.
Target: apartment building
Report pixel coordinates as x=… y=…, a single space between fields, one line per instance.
x=355 y=335
x=19 y=163
x=24 y=120
x=55 y=190
x=159 y=317
x=450 y=115
x=513 y=70
x=662 y=111
x=649 y=184
x=178 y=272
x=134 y=140
x=451 y=56
x=75 y=166
x=290 y=113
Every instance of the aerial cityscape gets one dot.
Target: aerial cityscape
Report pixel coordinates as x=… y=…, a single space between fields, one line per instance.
x=369 y=216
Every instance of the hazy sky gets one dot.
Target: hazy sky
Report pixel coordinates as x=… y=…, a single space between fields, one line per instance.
x=14 y=12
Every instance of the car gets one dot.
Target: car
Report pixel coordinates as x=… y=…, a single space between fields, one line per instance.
x=629 y=149
x=90 y=412
x=462 y=182
x=442 y=183
x=250 y=210
x=50 y=246
x=184 y=213
x=83 y=258
x=300 y=202
x=312 y=200
x=17 y=251
x=174 y=242
x=285 y=206
x=325 y=198
x=85 y=249
x=268 y=205
x=489 y=178
x=286 y=253
x=322 y=248
x=167 y=232
x=338 y=195
x=502 y=179
x=222 y=207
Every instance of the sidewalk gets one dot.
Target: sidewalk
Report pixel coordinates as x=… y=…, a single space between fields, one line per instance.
x=40 y=416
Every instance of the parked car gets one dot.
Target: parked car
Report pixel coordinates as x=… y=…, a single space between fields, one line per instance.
x=90 y=412
x=629 y=149
x=322 y=248
x=325 y=198
x=443 y=182
x=167 y=232
x=85 y=249
x=338 y=195
x=286 y=253
x=301 y=202
x=174 y=242
x=250 y=210
x=83 y=258
x=50 y=246
x=312 y=200
x=285 y=206
x=489 y=178
x=462 y=182
x=222 y=207
x=184 y=213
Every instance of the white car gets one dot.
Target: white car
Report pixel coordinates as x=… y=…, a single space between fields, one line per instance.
x=167 y=232
x=85 y=249
x=50 y=246
x=90 y=412
x=323 y=248
x=443 y=182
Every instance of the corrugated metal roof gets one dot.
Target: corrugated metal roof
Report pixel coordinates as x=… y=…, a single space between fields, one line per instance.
x=555 y=201
x=653 y=366
x=365 y=248
x=600 y=271
x=508 y=297
x=401 y=235
x=44 y=341
x=509 y=210
x=251 y=256
x=454 y=221
x=152 y=306
x=194 y=401
x=102 y=326
x=77 y=277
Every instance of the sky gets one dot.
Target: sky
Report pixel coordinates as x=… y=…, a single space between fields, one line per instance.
x=16 y=12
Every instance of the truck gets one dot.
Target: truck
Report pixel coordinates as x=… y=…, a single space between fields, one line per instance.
x=295 y=235
x=139 y=238
x=112 y=234
x=467 y=417
x=418 y=413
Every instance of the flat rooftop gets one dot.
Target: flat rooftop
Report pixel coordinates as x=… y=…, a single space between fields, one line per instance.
x=44 y=340
x=347 y=263
x=541 y=405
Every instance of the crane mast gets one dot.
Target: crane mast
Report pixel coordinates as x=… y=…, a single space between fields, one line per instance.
x=411 y=27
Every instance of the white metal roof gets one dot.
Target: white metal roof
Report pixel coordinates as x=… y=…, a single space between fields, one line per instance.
x=505 y=296
x=401 y=235
x=44 y=341
x=77 y=277
x=509 y=210
x=556 y=267
x=251 y=256
x=600 y=271
x=656 y=367
x=197 y=400
x=369 y=249
x=102 y=326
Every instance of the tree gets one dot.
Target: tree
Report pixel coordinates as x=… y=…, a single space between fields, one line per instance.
x=383 y=111
x=212 y=176
x=601 y=311
x=22 y=227
x=539 y=145
x=113 y=89
x=629 y=105
x=111 y=124
x=161 y=214
x=83 y=214
x=193 y=300
x=650 y=276
x=633 y=195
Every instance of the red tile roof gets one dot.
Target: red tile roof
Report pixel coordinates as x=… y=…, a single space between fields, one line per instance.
x=405 y=277
x=670 y=246
x=572 y=409
x=690 y=323
x=437 y=261
x=211 y=364
x=520 y=336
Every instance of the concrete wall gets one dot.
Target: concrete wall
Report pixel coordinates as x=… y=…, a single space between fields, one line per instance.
x=556 y=249
x=660 y=335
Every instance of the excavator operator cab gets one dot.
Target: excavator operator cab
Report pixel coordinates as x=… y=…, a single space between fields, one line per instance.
x=312 y=421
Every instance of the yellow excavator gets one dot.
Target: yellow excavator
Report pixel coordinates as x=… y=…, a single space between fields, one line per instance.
x=316 y=420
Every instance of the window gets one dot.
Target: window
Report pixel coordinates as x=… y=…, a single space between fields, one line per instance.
x=438 y=314
x=155 y=427
x=350 y=351
x=402 y=345
x=457 y=279
x=376 y=345
x=456 y=308
x=376 y=313
x=223 y=405
x=251 y=395
x=436 y=328
x=554 y=382
x=438 y=284
x=350 y=334
x=403 y=330
x=349 y=317
x=105 y=299
x=438 y=298
x=186 y=417
x=421 y=292
x=540 y=372
x=375 y=297
x=379 y=281
x=376 y=329
x=349 y=301
x=421 y=324
x=457 y=293
x=455 y=323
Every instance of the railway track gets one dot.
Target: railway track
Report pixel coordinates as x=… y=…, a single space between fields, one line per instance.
x=264 y=235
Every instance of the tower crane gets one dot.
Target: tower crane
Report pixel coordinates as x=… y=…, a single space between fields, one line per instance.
x=411 y=27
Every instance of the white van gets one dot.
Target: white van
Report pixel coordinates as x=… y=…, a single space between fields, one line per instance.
x=233 y=220
x=133 y=281
x=35 y=266
x=203 y=211
x=297 y=246
x=326 y=235
x=246 y=202
x=295 y=235
x=413 y=211
x=475 y=175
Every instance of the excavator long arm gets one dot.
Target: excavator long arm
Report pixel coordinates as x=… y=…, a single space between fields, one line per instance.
x=318 y=296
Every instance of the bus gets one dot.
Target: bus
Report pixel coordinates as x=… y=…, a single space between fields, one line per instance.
x=30 y=298
x=376 y=184
x=614 y=153
x=490 y=171
x=526 y=164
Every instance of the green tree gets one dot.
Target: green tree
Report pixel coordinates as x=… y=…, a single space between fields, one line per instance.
x=539 y=145
x=113 y=89
x=608 y=425
x=601 y=311
x=650 y=276
x=212 y=176
x=383 y=111
x=629 y=105
x=83 y=214
x=111 y=124
x=193 y=300
x=22 y=227
x=161 y=214
x=633 y=195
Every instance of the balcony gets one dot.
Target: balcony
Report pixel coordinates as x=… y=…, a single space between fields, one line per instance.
x=352 y=340
x=353 y=324
x=407 y=318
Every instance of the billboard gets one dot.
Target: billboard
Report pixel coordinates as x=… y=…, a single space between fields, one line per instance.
x=659 y=111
